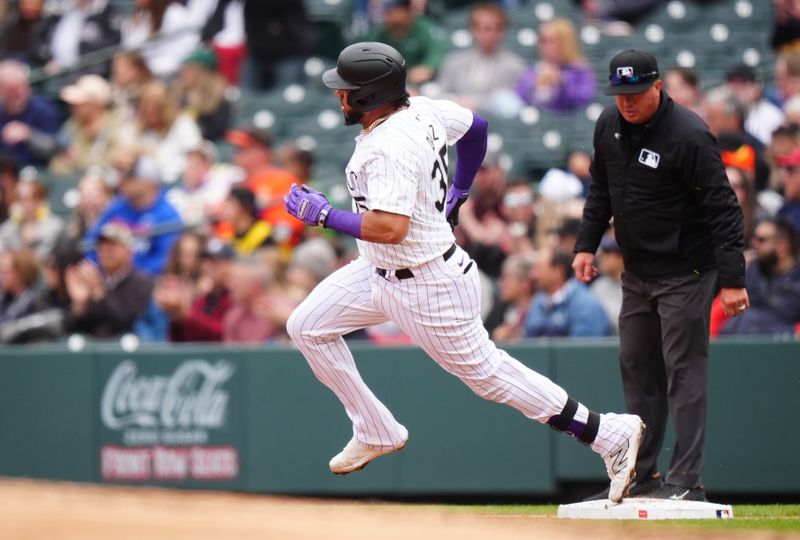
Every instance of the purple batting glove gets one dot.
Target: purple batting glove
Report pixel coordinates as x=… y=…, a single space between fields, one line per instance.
x=455 y=198
x=309 y=206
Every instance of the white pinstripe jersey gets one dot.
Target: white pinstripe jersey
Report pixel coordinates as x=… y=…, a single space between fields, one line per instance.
x=401 y=167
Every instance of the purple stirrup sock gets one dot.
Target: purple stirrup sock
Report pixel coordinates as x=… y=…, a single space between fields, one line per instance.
x=343 y=221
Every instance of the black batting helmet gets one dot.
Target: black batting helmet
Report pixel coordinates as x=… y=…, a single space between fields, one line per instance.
x=375 y=74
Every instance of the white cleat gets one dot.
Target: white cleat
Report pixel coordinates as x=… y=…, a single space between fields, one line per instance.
x=621 y=462
x=356 y=455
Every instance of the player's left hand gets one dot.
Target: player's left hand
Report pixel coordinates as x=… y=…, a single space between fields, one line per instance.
x=306 y=204
x=455 y=198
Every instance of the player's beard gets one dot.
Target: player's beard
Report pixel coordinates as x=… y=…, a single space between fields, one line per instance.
x=352 y=117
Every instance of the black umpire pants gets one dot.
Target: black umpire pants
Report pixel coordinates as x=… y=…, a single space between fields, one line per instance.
x=663 y=327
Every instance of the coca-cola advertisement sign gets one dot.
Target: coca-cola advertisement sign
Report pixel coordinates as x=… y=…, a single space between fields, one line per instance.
x=168 y=421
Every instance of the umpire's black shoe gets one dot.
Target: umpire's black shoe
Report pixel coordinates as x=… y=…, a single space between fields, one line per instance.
x=678 y=493
x=645 y=488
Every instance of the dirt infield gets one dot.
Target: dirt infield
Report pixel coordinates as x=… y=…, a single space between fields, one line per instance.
x=34 y=510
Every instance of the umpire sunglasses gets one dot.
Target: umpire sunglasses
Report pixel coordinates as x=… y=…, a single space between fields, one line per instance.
x=617 y=80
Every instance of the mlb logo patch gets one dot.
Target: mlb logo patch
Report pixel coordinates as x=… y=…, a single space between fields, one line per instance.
x=625 y=71
x=649 y=158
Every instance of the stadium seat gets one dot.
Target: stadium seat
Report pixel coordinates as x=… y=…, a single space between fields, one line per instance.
x=62 y=193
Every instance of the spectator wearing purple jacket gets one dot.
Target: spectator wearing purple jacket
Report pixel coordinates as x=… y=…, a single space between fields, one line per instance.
x=561 y=80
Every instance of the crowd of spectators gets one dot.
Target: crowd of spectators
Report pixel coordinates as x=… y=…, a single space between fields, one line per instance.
x=171 y=242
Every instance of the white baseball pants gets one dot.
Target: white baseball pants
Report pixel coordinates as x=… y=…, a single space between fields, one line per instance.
x=439 y=309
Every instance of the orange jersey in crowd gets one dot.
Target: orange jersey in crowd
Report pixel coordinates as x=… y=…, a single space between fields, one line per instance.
x=270 y=186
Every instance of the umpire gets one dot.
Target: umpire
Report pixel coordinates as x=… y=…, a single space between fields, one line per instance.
x=657 y=171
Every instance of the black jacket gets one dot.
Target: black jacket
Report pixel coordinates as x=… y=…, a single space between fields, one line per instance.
x=673 y=208
x=275 y=29
x=116 y=313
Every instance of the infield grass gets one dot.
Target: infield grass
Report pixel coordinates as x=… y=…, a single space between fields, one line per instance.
x=765 y=517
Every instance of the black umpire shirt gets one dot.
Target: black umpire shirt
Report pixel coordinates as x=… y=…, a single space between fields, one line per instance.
x=665 y=186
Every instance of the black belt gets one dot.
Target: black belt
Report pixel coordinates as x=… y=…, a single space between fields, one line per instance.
x=406 y=273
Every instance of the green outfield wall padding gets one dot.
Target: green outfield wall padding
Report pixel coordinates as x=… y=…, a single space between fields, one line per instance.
x=256 y=419
x=46 y=414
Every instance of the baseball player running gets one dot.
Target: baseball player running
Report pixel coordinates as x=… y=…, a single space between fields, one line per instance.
x=410 y=270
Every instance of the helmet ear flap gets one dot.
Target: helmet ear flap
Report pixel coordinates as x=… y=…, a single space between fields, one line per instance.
x=361 y=99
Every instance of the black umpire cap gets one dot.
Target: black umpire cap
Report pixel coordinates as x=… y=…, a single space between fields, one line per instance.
x=631 y=72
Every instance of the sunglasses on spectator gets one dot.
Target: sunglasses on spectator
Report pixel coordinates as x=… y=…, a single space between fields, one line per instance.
x=617 y=80
x=789 y=168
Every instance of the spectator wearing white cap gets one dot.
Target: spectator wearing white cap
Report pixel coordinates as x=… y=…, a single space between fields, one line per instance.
x=143 y=206
x=93 y=133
